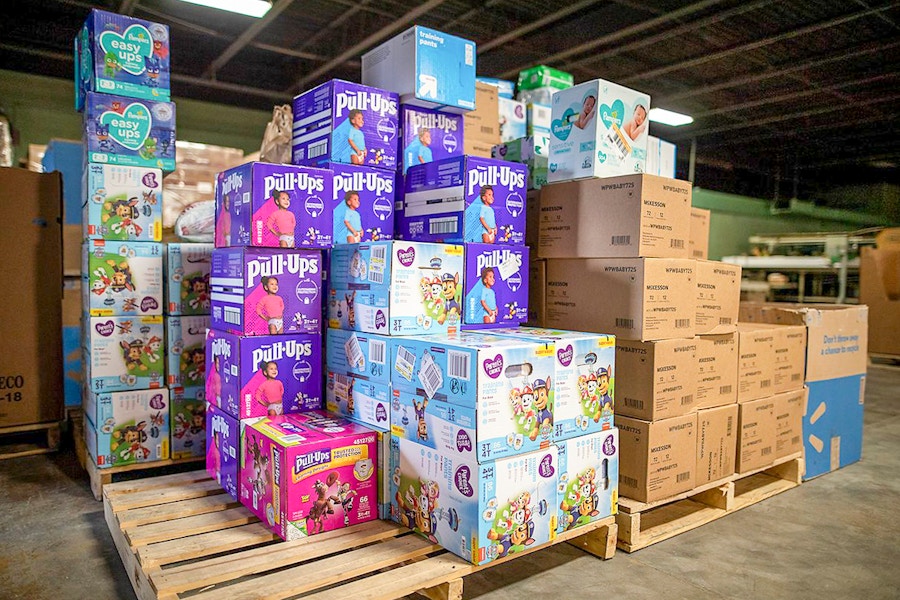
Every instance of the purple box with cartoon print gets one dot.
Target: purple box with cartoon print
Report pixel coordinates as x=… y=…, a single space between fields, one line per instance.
x=263 y=375
x=222 y=448
x=496 y=286
x=129 y=132
x=363 y=207
x=464 y=199
x=429 y=135
x=257 y=291
x=346 y=122
x=273 y=206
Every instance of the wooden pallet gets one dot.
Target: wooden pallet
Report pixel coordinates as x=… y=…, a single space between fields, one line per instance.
x=884 y=360
x=183 y=536
x=642 y=524
x=25 y=440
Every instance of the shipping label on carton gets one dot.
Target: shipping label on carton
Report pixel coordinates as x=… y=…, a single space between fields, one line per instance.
x=257 y=376
x=598 y=129
x=478 y=512
x=789 y=346
x=465 y=199
x=187 y=411
x=718 y=297
x=363 y=401
x=658 y=379
x=273 y=206
x=124 y=353
x=122 y=278
x=363 y=355
x=345 y=122
x=132 y=427
x=122 y=203
x=717 y=370
x=429 y=135
x=658 y=459
x=698 y=243
x=223 y=447
x=118 y=54
x=496 y=283
x=186 y=351
x=363 y=204
x=266 y=291
x=187 y=278
x=588 y=479
x=396 y=288
x=756 y=367
x=129 y=132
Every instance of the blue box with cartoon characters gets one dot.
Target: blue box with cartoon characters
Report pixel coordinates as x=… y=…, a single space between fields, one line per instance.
x=187 y=423
x=129 y=132
x=122 y=278
x=131 y=427
x=188 y=266
x=464 y=199
x=124 y=353
x=363 y=355
x=396 y=288
x=588 y=478
x=480 y=512
x=186 y=351
x=122 y=55
x=509 y=381
x=429 y=135
x=346 y=122
x=363 y=204
x=447 y=428
x=364 y=401
x=122 y=203
x=584 y=378
x=496 y=284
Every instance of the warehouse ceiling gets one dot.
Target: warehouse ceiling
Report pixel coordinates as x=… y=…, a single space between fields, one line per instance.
x=787 y=95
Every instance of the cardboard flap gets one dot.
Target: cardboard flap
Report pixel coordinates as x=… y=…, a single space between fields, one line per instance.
x=887 y=267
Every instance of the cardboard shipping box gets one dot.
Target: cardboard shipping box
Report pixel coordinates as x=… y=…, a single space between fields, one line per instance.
x=656 y=380
x=756 y=365
x=483 y=123
x=698 y=242
x=756 y=436
x=631 y=298
x=716 y=443
x=718 y=297
x=879 y=289
x=717 y=370
x=31 y=360
x=833 y=424
x=628 y=216
x=789 y=410
x=657 y=459
x=789 y=352
x=537 y=293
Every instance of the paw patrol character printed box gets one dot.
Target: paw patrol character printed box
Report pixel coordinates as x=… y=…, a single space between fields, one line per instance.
x=273 y=206
x=187 y=278
x=263 y=375
x=129 y=132
x=258 y=291
x=223 y=447
x=186 y=351
x=598 y=129
x=496 y=286
x=480 y=512
x=363 y=204
x=345 y=122
x=465 y=199
x=117 y=54
x=429 y=135
x=187 y=423
x=363 y=401
x=301 y=480
x=396 y=288
x=122 y=203
x=509 y=382
x=136 y=429
x=584 y=378
x=122 y=278
x=588 y=479
x=124 y=353
x=363 y=355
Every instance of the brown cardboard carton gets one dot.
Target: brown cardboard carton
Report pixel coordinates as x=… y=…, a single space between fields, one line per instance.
x=888 y=239
x=717 y=370
x=756 y=367
x=879 y=289
x=31 y=362
x=789 y=357
x=656 y=380
x=629 y=216
x=71 y=247
x=537 y=292
x=483 y=123
x=718 y=297
x=789 y=410
x=698 y=242
x=716 y=443
x=756 y=436
x=477 y=148
x=657 y=458
x=532 y=220
x=631 y=298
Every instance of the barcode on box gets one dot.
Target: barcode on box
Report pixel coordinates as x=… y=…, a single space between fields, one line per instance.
x=625 y=323
x=246 y=198
x=442 y=225
x=378 y=253
x=431 y=378
x=725 y=320
x=685 y=400
x=676 y=243
x=629 y=481
x=487 y=129
x=232 y=315
x=317 y=149
x=796 y=376
x=458 y=365
x=686 y=476
x=682 y=323
x=764 y=383
x=725 y=389
x=376 y=277
x=377 y=350
x=634 y=403
x=621 y=240
x=766 y=451
x=729 y=426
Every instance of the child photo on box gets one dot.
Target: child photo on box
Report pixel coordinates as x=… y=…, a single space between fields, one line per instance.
x=637 y=124
x=587 y=112
x=282 y=221
x=347 y=222
x=418 y=152
x=270 y=307
x=480 y=216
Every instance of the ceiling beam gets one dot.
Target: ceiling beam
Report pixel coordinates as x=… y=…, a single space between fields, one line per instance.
x=127 y=7
x=346 y=15
x=529 y=27
x=725 y=141
x=245 y=38
x=470 y=13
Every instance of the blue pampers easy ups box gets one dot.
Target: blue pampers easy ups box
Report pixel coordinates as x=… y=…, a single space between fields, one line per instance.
x=130 y=132
x=345 y=122
x=464 y=199
x=425 y=67
x=118 y=54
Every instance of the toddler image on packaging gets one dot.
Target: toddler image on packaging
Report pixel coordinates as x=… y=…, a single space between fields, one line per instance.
x=271 y=307
x=480 y=216
x=282 y=221
x=347 y=222
x=352 y=141
x=484 y=300
x=419 y=152
x=270 y=393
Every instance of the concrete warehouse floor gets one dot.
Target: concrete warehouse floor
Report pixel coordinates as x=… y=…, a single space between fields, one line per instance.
x=833 y=537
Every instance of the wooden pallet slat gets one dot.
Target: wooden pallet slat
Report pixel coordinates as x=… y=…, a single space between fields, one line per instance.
x=186 y=526
x=28 y=440
x=204 y=544
x=175 y=510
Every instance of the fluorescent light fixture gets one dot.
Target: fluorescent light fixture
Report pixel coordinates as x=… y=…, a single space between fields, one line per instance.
x=667 y=117
x=251 y=8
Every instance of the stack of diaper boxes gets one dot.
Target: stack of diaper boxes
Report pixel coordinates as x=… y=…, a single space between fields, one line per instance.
x=122 y=87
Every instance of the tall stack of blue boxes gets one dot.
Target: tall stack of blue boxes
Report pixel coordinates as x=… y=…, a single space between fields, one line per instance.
x=122 y=89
